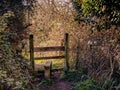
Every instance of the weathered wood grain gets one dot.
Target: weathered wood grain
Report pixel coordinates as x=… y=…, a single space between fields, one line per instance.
x=52 y=57
x=45 y=49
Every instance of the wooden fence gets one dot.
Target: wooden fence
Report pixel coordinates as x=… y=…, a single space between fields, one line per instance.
x=64 y=48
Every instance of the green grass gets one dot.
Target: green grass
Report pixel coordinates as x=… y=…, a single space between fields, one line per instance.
x=56 y=63
x=47 y=82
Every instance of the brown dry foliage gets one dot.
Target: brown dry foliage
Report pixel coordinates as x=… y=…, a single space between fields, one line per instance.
x=100 y=54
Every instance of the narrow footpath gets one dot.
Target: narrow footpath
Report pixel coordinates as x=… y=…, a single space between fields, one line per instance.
x=58 y=83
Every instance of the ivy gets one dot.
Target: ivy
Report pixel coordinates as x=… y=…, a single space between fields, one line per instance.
x=107 y=11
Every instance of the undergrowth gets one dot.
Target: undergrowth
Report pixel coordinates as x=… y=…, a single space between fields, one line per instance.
x=81 y=81
x=71 y=76
x=47 y=82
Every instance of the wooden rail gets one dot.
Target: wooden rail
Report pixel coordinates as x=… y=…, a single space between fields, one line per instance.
x=46 y=49
x=52 y=57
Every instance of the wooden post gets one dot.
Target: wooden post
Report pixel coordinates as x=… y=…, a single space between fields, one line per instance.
x=66 y=68
x=31 y=44
x=77 y=58
x=47 y=69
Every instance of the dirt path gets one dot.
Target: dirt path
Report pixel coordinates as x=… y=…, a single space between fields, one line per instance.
x=61 y=85
x=58 y=84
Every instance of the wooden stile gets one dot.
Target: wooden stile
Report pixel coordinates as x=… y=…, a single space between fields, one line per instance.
x=46 y=49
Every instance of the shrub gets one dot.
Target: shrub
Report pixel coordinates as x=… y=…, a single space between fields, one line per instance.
x=87 y=84
x=74 y=75
x=47 y=82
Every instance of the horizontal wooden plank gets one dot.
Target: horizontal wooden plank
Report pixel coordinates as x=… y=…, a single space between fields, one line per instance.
x=40 y=72
x=52 y=57
x=44 y=49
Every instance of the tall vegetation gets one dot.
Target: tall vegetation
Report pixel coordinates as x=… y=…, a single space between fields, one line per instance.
x=103 y=13
x=99 y=52
x=14 y=69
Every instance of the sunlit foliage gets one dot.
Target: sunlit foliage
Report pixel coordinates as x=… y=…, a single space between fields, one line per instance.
x=107 y=11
